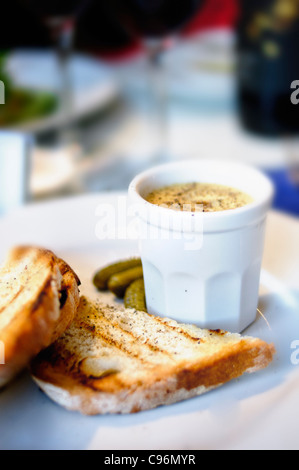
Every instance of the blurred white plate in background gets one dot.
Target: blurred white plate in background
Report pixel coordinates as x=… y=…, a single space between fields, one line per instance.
x=198 y=70
x=51 y=170
x=201 y=69
x=94 y=84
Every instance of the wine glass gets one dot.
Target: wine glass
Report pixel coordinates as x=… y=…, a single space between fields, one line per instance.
x=157 y=23
x=60 y=17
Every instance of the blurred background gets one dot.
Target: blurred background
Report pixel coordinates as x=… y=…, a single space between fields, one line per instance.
x=93 y=92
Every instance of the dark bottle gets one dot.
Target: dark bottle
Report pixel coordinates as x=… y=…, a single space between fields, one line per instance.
x=267 y=65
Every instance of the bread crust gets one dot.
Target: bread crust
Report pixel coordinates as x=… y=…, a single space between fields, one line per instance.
x=59 y=373
x=37 y=317
x=69 y=301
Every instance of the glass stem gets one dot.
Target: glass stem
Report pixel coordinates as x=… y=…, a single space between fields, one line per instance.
x=63 y=32
x=64 y=51
x=158 y=101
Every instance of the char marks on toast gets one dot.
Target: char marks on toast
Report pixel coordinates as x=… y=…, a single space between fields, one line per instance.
x=114 y=360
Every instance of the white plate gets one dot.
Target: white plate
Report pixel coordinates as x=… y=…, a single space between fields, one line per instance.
x=51 y=170
x=94 y=84
x=258 y=411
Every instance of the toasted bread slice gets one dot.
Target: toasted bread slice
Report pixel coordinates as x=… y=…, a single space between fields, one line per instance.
x=116 y=360
x=39 y=296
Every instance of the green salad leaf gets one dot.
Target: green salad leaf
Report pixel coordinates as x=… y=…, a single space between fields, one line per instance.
x=22 y=105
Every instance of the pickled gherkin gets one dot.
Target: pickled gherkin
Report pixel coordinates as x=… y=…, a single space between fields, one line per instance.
x=118 y=283
x=135 y=296
x=102 y=277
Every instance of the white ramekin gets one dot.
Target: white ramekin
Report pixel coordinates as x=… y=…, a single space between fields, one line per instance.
x=203 y=268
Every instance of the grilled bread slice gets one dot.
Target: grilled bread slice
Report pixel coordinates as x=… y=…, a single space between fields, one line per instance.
x=39 y=296
x=117 y=360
